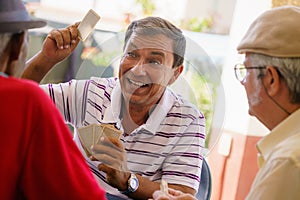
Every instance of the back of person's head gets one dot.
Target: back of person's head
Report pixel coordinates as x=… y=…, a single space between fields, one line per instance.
x=152 y=26
x=14 y=20
x=274 y=39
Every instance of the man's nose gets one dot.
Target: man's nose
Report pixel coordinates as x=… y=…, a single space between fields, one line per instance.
x=139 y=68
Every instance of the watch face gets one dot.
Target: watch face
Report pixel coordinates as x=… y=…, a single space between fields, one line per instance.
x=134 y=183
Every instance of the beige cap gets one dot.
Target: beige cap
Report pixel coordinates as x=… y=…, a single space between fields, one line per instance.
x=276 y=33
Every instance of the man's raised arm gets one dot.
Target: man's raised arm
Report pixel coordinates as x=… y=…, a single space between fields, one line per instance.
x=58 y=45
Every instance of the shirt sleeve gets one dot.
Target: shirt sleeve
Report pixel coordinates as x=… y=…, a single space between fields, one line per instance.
x=278 y=179
x=69 y=98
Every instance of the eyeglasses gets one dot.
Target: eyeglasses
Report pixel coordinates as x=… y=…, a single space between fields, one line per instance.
x=241 y=71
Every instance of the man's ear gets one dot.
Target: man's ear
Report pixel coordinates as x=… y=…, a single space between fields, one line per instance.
x=272 y=80
x=16 y=43
x=13 y=52
x=177 y=71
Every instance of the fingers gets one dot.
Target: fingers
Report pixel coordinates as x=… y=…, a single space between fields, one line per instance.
x=76 y=24
x=104 y=168
x=74 y=33
x=113 y=143
x=108 y=160
x=159 y=195
x=65 y=38
x=173 y=195
x=174 y=192
x=107 y=154
x=178 y=195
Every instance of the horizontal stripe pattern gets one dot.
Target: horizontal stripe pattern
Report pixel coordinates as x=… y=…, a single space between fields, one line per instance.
x=173 y=152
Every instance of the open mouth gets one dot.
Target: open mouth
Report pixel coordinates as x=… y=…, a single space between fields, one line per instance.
x=137 y=83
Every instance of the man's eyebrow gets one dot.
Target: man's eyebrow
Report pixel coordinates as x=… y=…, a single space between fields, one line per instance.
x=155 y=52
x=159 y=53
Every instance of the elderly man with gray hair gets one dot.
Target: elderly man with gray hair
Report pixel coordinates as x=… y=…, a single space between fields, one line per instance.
x=270 y=75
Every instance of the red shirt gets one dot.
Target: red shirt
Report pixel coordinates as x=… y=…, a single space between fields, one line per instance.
x=39 y=159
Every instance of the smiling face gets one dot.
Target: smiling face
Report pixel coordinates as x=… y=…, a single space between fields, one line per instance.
x=146 y=69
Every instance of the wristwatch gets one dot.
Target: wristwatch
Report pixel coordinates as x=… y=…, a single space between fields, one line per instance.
x=132 y=184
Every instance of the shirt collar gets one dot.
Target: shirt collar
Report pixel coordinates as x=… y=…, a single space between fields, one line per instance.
x=285 y=129
x=160 y=112
x=112 y=112
x=3 y=74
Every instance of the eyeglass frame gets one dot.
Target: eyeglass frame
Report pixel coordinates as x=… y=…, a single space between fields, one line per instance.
x=241 y=68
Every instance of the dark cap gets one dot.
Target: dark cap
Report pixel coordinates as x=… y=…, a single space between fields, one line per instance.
x=15 y=18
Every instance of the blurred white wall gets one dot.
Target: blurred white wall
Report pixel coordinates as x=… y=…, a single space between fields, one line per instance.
x=236 y=116
x=113 y=11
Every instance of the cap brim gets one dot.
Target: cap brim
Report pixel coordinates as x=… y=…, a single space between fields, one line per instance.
x=13 y=27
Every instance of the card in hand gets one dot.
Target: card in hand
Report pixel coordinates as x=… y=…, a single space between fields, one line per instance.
x=88 y=23
x=164 y=187
x=87 y=137
x=111 y=132
x=98 y=131
x=91 y=134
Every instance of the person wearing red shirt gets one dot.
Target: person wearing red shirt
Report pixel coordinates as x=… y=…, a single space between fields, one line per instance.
x=39 y=159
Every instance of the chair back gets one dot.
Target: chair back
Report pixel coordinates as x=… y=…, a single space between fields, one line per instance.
x=204 y=190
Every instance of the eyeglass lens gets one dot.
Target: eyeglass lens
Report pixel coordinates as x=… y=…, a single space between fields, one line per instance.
x=240 y=72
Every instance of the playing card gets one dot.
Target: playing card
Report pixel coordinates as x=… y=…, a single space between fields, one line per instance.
x=98 y=131
x=91 y=134
x=88 y=23
x=164 y=186
x=110 y=131
x=87 y=138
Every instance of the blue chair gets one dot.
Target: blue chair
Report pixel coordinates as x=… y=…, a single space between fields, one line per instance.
x=204 y=190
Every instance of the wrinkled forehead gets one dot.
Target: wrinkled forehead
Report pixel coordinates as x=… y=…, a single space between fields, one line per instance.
x=158 y=42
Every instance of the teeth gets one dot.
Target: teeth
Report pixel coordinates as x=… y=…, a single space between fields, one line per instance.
x=140 y=84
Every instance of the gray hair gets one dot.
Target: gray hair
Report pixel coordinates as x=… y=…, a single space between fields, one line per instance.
x=4 y=39
x=288 y=68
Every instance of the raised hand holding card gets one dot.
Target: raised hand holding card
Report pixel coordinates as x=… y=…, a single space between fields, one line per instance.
x=88 y=23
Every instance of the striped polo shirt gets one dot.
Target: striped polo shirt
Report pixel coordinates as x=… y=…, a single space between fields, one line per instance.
x=168 y=146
